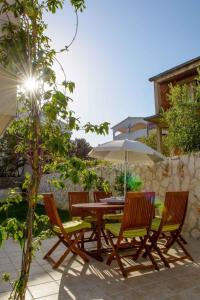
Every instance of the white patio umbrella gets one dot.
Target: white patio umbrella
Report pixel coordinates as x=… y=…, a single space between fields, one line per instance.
x=126 y=151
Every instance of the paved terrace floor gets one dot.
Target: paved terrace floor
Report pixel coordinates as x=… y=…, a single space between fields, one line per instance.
x=76 y=280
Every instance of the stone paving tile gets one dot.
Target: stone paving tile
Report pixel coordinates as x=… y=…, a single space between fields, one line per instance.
x=76 y=280
x=154 y=291
x=4 y=260
x=5 y=296
x=3 y=254
x=177 y=297
x=8 y=268
x=4 y=287
x=44 y=289
x=42 y=278
x=51 y=297
x=189 y=294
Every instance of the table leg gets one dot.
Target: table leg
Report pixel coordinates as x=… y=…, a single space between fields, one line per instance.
x=97 y=253
x=99 y=227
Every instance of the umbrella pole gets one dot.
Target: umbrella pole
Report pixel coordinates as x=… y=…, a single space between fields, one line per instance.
x=125 y=172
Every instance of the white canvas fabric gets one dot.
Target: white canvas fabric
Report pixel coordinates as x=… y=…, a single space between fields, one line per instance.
x=126 y=151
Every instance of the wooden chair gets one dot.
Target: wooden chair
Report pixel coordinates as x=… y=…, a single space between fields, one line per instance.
x=77 y=213
x=77 y=198
x=136 y=222
x=69 y=233
x=169 y=226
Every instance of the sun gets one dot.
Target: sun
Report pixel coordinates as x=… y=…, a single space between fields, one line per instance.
x=30 y=84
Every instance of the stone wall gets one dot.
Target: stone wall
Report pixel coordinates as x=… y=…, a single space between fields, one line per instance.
x=61 y=196
x=177 y=174
x=173 y=174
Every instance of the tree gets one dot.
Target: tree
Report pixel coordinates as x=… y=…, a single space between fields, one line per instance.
x=183 y=118
x=81 y=148
x=11 y=164
x=151 y=141
x=45 y=122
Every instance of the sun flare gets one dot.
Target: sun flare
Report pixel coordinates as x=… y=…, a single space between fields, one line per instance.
x=30 y=84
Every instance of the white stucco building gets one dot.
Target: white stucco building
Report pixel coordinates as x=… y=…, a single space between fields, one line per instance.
x=131 y=128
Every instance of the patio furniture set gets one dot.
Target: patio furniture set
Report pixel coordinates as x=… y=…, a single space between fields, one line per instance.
x=130 y=228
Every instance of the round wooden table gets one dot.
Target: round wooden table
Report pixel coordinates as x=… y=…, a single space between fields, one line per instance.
x=98 y=210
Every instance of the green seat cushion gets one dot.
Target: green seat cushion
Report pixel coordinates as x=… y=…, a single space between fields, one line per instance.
x=114 y=228
x=113 y=216
x=72 y=226
x=169 y=227
x=88 y=219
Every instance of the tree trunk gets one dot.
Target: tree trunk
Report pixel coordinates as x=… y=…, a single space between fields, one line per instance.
x=19 y=289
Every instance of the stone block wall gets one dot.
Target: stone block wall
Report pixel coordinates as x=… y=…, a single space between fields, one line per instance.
x=61 y=196
x=174 y=174
x=177 y=174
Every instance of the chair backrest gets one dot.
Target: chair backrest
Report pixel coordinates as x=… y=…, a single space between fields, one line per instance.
x=76 y=198
x=101 y=195
x=151 y=197
x=175 y=207
x=138 y=210
x=51 y=209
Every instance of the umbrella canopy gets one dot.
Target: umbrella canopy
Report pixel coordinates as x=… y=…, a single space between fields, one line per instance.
x=126 y=151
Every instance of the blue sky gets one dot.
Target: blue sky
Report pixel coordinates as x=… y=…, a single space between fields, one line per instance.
x=120 y=44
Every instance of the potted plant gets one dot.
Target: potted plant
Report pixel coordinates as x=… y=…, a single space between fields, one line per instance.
x=133 y=182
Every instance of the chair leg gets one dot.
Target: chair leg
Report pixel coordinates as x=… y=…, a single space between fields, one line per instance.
x=52 y=249
x=182 y=240
x=175 y=237
x=71 y=247
x=148 y=250
x=154 y=239
x=93 y=235
x=185 y=250
x=116 y=255
x=104 y=236
x=136 y=255
x=60 y=260
x=75 y=249
x=161 y=256
x=112 y=254
x=170 y=243
x=82 y=242
x=153 y=261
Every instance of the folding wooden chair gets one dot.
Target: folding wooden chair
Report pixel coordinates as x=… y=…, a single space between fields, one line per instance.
x=69 y=233
x=77 y=213
x=77 y=198
x=169 y=226
x=136 y=222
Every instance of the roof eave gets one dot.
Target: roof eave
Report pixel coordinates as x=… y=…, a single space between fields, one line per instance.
x=167 y=72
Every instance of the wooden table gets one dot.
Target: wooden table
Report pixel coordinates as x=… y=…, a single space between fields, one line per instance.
x=98 y=210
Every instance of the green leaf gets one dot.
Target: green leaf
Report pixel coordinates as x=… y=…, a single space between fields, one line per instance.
x=69 y=85
x=6 y=277
x=3 y=235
